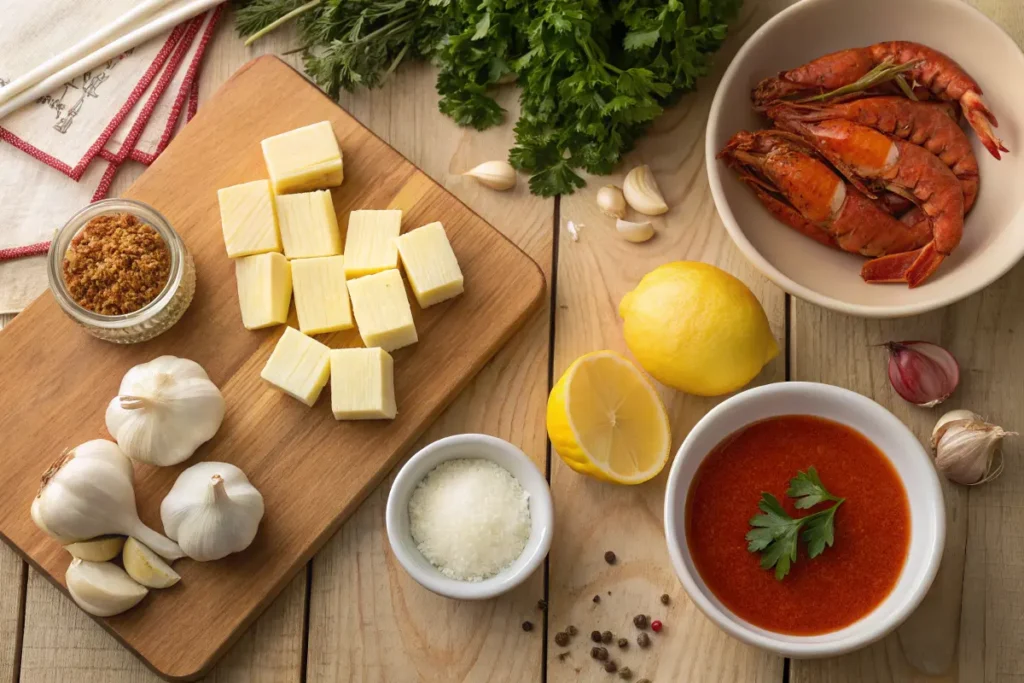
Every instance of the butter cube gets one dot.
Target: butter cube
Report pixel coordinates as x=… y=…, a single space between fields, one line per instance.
x=264 y=289
x=362 y=384
x=382 y=310
x=430 y=264
x=370 y=242
x=304 y=159
x=321 y=297
x=299 y=366
x=309 y=226
x=248 y=219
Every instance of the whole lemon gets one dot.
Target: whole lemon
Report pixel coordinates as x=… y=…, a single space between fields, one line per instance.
x=697 y=329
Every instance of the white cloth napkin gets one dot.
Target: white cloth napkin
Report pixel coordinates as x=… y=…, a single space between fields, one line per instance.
x=62 y=152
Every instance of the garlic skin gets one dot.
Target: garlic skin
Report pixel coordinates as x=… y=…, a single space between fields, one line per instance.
x=101 y=588
x=634 y=232
x=641 y=192
x=967 y=448
x=497 y=175
x=212 y=511
x=164 y=410
x=88 y=493
x=611 y=201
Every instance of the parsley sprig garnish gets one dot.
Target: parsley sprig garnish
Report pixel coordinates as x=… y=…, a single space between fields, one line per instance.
x=776 y=534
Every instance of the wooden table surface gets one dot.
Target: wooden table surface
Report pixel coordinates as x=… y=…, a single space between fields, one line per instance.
x=354 y=615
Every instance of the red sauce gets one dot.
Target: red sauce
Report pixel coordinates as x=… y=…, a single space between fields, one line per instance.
x=872 y=528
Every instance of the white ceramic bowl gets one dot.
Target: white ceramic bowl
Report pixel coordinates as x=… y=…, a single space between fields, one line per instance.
x=993 y=239
x=914 y=466
x=470 y=446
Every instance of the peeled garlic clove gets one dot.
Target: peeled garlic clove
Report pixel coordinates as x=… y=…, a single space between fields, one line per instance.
x=635 y=232
x=101 y=549
x=146 y=567
x=101 y=588
x=611 y=201
x=497 y=175
x=641 y=191
x=950 y=418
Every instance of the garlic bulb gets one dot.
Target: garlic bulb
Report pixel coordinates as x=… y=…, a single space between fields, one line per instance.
x=212 y=511
x=497 y=175
x=634 y=232
x=967 y=448
x=641 y=191
x=164 y=410
x=88 y=493
x=101 y=588
x=611 y=201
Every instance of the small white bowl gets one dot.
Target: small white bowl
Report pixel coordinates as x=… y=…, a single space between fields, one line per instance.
x=993 y=237
x=470 y=446
x=900 y=446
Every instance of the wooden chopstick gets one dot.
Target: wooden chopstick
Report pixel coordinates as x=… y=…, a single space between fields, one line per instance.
x=129 y=40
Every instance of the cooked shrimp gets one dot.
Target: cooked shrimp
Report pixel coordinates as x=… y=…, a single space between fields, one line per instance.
x=941 y=75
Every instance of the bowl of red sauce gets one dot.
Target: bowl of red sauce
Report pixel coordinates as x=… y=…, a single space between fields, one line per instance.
x=804 y=519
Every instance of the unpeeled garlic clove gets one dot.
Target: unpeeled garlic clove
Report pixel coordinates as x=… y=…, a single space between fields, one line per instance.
x=497 y=175
x=101 y=588
x=967 y=449
x=611 y=201
x=100 y=549
x=146 y=567
x=641 y=192
x=635 y=232
x=949 y=419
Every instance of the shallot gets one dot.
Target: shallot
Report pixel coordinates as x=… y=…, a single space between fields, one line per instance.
x=921 y=372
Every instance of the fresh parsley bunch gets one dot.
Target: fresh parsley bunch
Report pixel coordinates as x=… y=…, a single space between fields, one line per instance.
x=593 y=74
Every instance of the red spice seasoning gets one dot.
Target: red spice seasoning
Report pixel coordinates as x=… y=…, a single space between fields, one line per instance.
x=116 y=264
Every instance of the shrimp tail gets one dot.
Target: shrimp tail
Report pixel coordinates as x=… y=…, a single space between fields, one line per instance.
x=982 y=120
x=911 y=267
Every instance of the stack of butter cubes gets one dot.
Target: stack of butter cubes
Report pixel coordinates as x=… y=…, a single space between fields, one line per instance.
x=283 y=234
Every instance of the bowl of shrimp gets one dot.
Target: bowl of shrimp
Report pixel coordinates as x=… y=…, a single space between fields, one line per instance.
x=856 y=160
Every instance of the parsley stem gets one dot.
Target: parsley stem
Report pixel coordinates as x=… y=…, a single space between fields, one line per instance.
x=301 y=9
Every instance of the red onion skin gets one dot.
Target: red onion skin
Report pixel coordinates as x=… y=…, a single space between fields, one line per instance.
x=921 y=372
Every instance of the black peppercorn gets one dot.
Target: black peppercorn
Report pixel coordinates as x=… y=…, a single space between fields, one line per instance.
x=597 y=598
x=625 y=673
x=665 y=599
x=643 y=640
x=609 y=557
x=542 y=605
x=561 y=639
x=599 y=653
x=595 y=636
x=611 y=667
x=644 y=680
x=527 y=626
x=606 y=637
x=640 y=621
x=571 y=630
x=623 y=643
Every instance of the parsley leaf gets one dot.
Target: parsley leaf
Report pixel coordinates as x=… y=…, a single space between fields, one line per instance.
x=807 y=490
x=776 y=534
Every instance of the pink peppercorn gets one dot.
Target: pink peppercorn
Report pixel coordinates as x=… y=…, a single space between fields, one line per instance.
x=656 y=626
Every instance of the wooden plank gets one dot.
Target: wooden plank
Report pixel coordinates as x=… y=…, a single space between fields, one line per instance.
x=369 y=621
x=591 y=517
x=312 y=470
x=968 y=629
x=66 y=644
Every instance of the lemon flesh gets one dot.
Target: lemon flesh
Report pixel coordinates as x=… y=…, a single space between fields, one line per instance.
x=605 y=419
x=696 y=328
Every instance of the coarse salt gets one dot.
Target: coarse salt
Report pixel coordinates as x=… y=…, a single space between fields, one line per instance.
x=470 y=518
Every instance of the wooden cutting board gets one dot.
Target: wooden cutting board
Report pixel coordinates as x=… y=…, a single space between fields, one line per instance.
x=312 y=470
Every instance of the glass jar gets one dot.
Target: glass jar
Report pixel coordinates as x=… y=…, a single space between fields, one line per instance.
x=154 y=318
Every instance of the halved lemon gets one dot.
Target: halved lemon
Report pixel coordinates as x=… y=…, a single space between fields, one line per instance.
x=605 y=419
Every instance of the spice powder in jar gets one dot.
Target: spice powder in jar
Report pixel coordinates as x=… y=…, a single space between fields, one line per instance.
x=116 y=264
